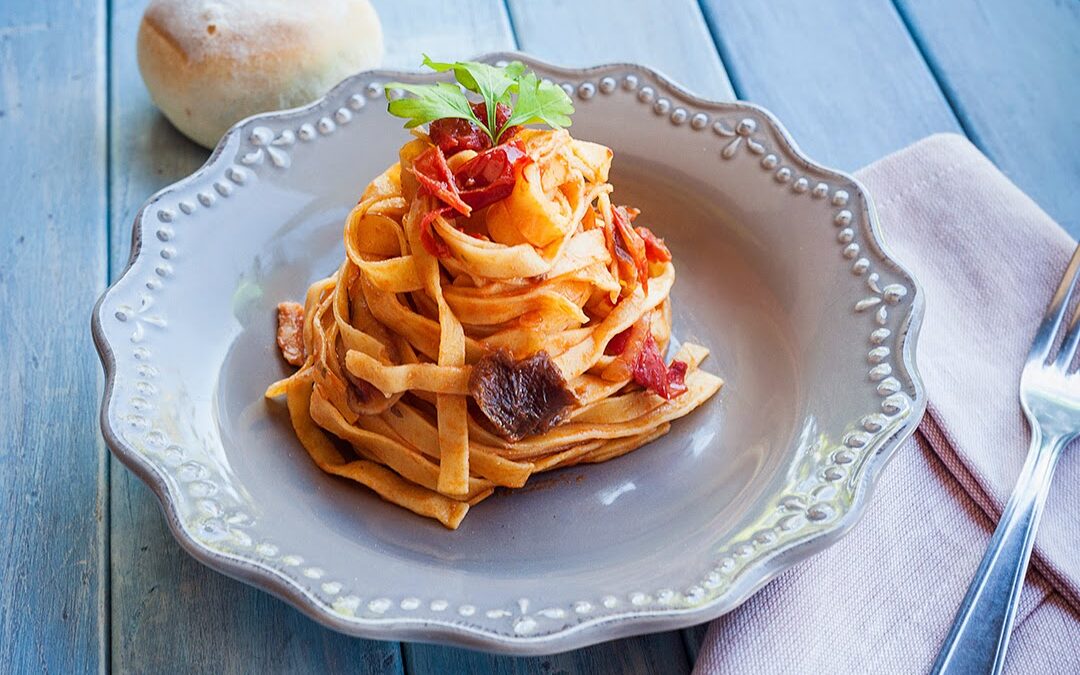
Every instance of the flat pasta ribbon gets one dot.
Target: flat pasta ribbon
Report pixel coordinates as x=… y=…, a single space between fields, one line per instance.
x=391 y=343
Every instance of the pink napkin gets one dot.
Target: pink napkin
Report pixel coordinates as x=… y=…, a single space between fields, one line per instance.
x=883 y=598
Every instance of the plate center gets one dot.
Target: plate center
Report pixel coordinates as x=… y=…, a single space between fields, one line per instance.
x=682 y=493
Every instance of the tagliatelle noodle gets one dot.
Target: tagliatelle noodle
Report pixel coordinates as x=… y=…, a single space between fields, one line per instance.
x=390 y=340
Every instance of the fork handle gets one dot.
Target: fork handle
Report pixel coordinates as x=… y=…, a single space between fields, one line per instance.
x=980 y=631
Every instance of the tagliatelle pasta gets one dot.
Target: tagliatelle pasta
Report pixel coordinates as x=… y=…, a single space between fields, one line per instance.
x=496 y=316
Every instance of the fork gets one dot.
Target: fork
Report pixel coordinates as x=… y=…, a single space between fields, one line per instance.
x=1050 y=397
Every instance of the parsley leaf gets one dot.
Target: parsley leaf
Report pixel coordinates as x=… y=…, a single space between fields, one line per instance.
x=538 y=102
x=535 y=102
x=431 y=102
x=490 y=82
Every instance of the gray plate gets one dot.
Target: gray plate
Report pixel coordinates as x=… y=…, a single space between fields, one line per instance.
x=780 y=272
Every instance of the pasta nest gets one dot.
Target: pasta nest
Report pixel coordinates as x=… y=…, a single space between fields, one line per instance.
x=390 y=347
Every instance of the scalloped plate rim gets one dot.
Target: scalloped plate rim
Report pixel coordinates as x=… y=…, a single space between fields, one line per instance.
x=590 y=631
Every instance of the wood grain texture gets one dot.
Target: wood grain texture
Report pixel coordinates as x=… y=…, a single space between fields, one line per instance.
x=692 y=639
x=660 y=653
x=443 y=30
x=848 y=79
x=169 y=612
x=53 y=541
x=669 y=36
x=582 y=44
x=1012 y=74
x=845 y=78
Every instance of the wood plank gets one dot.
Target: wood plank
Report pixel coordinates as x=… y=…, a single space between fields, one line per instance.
x=692 y=638
x=169 y=612
x=162 y=597
x=669 y=36
x=53 y=539
x=652 y=653
x=443 y=30
x=657 y=653
x=454 y=40
x=1012 y=75
x=845 y=78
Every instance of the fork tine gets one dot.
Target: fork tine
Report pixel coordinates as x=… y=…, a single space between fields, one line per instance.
x=1044 y=338
x=1064 y=358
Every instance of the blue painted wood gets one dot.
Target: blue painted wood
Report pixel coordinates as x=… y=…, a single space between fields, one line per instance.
x=1012 y=74
x=161 y=597
x=651 y=654
x=845 y=78
x=669 y=36
x=443 y=30
x=660 y=653
x=692 y=639
x=53 y=541
x=169 y=612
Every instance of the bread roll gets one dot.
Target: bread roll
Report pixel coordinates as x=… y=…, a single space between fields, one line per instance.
x=211 y=63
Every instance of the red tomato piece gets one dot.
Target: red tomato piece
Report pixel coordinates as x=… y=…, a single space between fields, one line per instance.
x=431 y=241
x=651 y=372
x=434 y=175
x=629 y=250
x=490 y=176
x=655 y=248
x=453 y=134
x=502 y=113
x=617 y=344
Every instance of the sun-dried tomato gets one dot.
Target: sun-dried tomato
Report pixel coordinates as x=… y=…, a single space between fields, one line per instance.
x=626 y=347
x=655 y=248
x=453 y=134
x=434 y=175
x=651 y=372
x=617 y=344
x=677 y=378
x=638 y=358
x=483 y=180
x=629 y=250
x=502 y=113
x=490 y=176
x=479 y=182
x=431 y=241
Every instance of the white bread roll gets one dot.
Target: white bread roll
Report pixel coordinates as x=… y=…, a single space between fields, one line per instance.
x=211 y=63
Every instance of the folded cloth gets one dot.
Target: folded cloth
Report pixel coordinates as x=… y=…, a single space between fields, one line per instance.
x=883 y=598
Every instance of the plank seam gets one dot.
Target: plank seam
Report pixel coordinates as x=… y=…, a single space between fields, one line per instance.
x=105 y=473
x=687 y=635
x=403 y=659
x=726 y=57
x=509 y=12
x=935 y=72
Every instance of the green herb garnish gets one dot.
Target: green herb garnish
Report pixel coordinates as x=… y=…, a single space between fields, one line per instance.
x=531 y=100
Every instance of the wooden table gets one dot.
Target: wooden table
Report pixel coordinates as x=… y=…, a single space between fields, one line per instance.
x=90 y=578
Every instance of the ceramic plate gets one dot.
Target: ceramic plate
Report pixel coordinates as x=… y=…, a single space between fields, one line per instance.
x=780 y=272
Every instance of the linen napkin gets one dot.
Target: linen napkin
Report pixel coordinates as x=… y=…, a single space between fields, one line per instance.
x=883 y=598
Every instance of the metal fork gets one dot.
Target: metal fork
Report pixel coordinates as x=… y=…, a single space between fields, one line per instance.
x=1050 y=397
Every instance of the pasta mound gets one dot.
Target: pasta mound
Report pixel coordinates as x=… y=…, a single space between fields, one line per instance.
x=496 y=316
